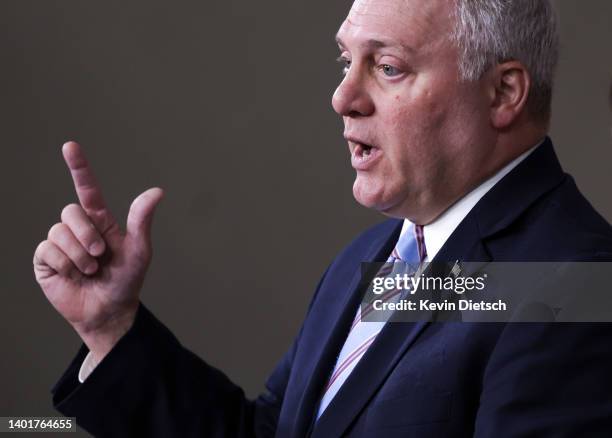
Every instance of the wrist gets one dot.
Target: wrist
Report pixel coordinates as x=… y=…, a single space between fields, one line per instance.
x=102 y=340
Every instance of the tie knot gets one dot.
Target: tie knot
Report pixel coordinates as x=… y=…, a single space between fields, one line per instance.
x=410 y=247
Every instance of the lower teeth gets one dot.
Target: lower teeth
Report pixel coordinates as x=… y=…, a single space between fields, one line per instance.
x=366 y=152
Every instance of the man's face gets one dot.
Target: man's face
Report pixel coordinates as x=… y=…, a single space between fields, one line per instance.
x=418 y=136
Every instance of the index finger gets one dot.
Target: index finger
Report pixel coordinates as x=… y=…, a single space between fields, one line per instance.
x=85 y=184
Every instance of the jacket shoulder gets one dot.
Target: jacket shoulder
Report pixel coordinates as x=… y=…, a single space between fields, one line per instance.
x=561 y=226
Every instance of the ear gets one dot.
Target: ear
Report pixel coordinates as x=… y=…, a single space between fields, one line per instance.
x=510 y=87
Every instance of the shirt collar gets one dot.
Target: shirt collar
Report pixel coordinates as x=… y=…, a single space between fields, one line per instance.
x=437 y=233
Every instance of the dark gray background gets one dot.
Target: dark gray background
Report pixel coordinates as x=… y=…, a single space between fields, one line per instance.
x=226 y=105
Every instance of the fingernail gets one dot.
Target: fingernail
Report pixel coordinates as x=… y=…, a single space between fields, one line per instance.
x=93 y=267
x=96 y=248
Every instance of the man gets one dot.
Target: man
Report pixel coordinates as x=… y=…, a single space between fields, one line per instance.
x=446 y=106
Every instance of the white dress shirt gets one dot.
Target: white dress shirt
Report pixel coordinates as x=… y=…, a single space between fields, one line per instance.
x=435 y=234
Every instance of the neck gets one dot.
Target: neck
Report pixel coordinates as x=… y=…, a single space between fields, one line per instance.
x=507 y=147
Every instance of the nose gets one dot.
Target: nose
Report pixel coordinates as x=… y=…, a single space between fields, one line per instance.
x=351 y=98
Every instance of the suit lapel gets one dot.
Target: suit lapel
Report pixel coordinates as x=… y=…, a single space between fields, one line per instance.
x=324 y=358
x=367 y=377
x=390 y=346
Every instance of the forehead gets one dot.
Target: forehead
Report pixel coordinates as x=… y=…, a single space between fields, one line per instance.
x=413 y=23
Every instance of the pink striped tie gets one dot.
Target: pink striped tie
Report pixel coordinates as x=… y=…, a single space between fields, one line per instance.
x=410 y=248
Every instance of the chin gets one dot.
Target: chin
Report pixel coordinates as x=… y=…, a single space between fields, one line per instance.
x=370 y=194
x=374 y=196
x=363 y=193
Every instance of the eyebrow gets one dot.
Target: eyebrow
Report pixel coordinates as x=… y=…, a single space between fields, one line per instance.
x=379 y=44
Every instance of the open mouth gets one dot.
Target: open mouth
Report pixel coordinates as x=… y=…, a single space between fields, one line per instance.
x=363 y=154
x=364 y=151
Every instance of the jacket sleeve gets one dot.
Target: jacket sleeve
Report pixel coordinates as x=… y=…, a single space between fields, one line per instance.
x=150 y=385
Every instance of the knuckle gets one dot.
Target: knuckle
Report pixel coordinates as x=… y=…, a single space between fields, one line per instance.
x=40 y=247
x=40 y=250
x=56 y=231
x=68 y=211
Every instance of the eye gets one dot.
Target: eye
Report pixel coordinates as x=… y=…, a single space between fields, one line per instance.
x=346 y=63
x=389 y=70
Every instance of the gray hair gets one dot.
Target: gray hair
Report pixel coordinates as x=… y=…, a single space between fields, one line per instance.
x=488 y=32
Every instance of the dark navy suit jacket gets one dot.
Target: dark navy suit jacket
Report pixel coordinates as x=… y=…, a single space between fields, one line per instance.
x=418 y=379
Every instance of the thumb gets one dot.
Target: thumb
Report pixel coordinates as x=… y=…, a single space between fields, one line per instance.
x=140 y=217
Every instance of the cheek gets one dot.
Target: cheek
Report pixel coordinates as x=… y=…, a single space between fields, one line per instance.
x=416 y=133
x=417 y=111
x=414 y=126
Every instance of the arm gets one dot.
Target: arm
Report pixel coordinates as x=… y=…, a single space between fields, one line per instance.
x=146 y=383
x=149 y=385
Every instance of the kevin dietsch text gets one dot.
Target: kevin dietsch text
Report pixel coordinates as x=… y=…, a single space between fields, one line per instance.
x=428 y=305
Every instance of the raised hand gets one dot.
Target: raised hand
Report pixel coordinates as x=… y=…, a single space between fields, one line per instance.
x=89 y=269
